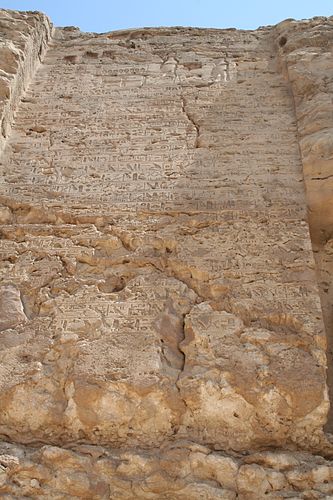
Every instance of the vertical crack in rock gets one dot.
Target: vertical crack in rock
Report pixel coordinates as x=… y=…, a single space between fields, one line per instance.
x=160 y=323
x=191 y=119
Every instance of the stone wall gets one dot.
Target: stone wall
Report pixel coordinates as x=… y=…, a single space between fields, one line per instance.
x=161 y=329
x=182 y=470
x=306 y=59
x=23 y=42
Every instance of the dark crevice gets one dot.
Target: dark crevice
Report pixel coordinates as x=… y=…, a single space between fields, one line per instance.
x=191 y=119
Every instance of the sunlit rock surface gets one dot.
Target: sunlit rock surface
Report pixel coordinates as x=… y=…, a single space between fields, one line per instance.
x=162 y=304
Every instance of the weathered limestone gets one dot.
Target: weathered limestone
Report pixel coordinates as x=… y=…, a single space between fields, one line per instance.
x=160 y=318
x=24 y=40
x=179 y=471
x=306 y=57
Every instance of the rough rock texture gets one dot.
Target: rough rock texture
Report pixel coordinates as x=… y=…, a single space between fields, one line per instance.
x=182 y=471
x=161 y=329
x=306 y=57
x=23 y=42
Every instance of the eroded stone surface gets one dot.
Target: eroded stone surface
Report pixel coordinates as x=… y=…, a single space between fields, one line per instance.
x=23 y=42
x=306 y=58
x=158 y=283
x=179 y=471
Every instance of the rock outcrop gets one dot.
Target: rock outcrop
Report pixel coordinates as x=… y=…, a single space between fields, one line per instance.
x=162 y=303
x=24 y=40
x=305 y=51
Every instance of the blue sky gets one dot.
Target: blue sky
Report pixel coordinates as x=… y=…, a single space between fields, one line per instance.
x=107 y=15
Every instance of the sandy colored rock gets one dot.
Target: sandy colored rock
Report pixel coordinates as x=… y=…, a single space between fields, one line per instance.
x=236 y=380
x=305 y=55
x=11 y=308
x=166 y=261
x=174 y=472
x=24 y=39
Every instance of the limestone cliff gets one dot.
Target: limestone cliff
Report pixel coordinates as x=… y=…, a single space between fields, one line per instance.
x=166 y=261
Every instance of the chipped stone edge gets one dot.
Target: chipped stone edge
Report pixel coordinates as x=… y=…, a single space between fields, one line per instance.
x=29 y=59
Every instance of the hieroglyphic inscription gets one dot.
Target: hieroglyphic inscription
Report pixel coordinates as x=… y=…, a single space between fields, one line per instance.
x=159 y=246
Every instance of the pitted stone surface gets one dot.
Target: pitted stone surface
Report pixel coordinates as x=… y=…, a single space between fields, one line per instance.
x=158 y=283
x=306 y=59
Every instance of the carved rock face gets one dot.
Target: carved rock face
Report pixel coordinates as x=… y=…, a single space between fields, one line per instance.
x=159 y=305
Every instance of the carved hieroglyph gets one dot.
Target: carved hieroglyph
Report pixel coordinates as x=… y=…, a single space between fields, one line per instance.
x=159 y=295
